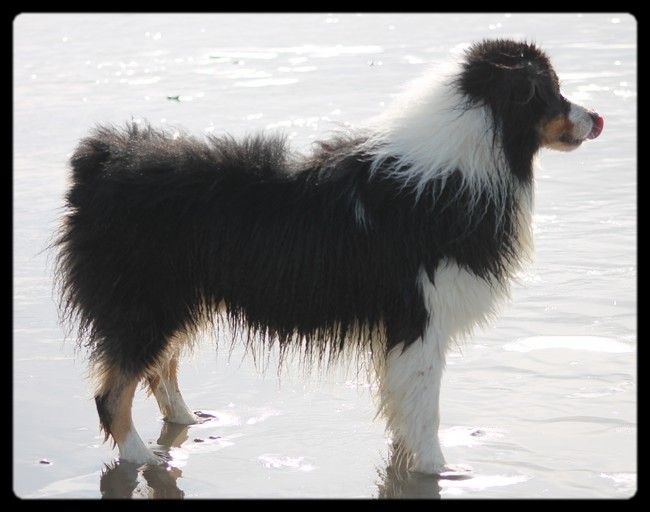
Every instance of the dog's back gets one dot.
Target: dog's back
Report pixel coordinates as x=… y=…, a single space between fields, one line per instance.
x=162 y=229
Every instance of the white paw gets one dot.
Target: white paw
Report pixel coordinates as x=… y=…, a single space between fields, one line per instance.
x=183 y=418
x=430 y=461
x=148 y=457
x=430 y=467
x=133 y=450
x=443 y=470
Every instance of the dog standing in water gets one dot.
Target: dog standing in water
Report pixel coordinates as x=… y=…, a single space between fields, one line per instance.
x=392 y=241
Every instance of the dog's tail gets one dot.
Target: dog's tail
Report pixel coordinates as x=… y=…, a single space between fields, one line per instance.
x=89 y=158
x=88 y=163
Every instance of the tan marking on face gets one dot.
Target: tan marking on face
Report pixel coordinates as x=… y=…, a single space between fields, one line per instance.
x=554 y=129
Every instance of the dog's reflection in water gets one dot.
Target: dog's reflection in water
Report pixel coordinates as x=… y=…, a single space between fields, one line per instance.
x=396 y=481
x=126 y=480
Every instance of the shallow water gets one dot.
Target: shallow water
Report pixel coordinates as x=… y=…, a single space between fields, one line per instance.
x=540 y=404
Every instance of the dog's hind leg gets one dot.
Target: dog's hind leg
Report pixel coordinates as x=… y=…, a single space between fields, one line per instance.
x=120 y=365
x=164 y=386
x=114 y=400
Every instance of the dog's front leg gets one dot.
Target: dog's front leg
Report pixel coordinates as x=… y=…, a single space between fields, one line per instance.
x=410 y=401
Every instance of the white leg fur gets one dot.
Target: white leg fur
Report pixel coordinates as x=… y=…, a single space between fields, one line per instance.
x=411 y=379
x=410 y=393
x=133 y=449
x=169 y=398
x=117 y=406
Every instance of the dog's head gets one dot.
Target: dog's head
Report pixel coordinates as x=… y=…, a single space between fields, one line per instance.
x=517 y=82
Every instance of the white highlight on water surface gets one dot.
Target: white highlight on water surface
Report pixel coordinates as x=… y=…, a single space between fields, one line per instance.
x=323 y=51
x=221 y=419
x=414 y=59
x=207 y=446
x=588 y=343
x=263 y=82
x=225 y=54
x=144 y=80
x=297 y=69
x=622 y=480
x=257 y=115
x=273 y=461
x=480 y=482
x=263 y=416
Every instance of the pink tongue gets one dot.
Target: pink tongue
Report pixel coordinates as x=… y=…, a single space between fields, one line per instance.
x=598 y=127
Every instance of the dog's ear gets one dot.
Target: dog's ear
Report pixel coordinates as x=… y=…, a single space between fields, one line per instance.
x=523 y=87
x=519 y=77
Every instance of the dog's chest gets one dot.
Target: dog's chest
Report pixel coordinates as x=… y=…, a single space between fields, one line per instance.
x=458 y=300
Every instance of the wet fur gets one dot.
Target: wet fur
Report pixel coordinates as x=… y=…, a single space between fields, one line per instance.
x=337 y=251
x=163 y=230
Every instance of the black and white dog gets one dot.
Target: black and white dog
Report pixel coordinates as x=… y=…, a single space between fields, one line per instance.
x=393 y=241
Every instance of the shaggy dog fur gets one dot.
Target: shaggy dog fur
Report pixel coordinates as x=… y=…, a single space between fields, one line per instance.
x=394 y=240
